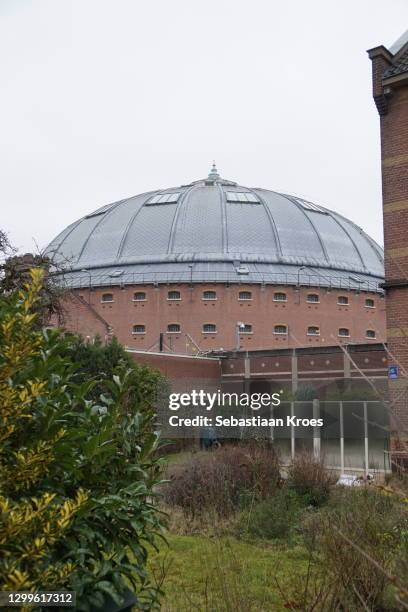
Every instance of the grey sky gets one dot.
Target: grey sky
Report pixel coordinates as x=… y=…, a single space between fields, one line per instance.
x=102 y=99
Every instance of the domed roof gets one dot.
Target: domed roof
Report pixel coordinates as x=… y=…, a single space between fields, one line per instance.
x=214 y=230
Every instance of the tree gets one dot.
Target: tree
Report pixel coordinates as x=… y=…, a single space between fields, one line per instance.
x=77 y=474
x=99 y=361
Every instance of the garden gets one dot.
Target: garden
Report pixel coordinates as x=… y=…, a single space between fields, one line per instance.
x=241 y=537
x=92 y=501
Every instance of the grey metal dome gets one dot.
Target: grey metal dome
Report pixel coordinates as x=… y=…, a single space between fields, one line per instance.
x=214 y=230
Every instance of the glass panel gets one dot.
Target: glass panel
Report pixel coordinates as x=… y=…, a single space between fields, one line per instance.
x=232 y=196
x=282 y=412
x=353 y=420
x=303 y=410
x=309 y=205
x=173 y=197
x=330 y=452
x=378 y=421
x=353 y=454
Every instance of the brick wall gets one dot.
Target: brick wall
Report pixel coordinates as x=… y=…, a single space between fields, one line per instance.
x=394 y=153
x=327 y=369
x=183 y=372
x=191 y=312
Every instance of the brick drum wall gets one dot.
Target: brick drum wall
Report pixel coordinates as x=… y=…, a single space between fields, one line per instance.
x=87 y=314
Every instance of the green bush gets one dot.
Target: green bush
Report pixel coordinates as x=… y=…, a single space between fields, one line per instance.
x=97 y=361
x=275 y=517
x=77 y=474
x=359 y=537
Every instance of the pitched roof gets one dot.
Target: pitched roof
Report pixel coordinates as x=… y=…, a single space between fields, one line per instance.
x=399 y=67
x=399 y=43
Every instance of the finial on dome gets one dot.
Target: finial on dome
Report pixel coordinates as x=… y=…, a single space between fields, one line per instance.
x=213 y=172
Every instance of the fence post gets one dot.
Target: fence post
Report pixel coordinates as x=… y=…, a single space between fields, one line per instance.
x=365 y=439
x=294 y=368
x=341 y=438
x=292 y=431
x=316 y=430
x=272 y=428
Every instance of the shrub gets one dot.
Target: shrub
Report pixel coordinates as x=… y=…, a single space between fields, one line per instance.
x=309 y=477
x=223 y=481
x=77 y=476
x=275 y=517
x=34 y=519
x=97 y=361
x=358 y=538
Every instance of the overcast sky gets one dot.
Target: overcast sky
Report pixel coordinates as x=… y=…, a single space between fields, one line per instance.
x=103 y=99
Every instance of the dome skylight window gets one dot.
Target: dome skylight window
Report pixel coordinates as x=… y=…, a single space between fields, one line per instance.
x=241 y=197
x=102 y=210
x=164 y=198
x=309 y=205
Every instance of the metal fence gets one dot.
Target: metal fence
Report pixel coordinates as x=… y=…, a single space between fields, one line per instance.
x=90 y=281
x=354 y=435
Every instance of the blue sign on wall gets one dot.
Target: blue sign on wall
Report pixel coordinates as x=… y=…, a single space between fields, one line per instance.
x=393 y=371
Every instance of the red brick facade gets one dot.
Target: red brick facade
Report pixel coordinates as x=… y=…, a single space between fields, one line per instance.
x=390 y=92
x=88 y=314
x=327 y=369
x=183 y=371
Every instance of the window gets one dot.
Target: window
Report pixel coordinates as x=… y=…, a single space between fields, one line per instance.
x=101 y=211
x=139 y=296
x=370 y=303
x=344 y=332
x=313 y=330
x=281 y=330
x=240 y=197
x=245 y=329
x=313 y=298
x=209 y=295
x=343 y=300
x=245 y=295
x=139 y=329
x=279 y=297
x=309 y=205
x=209 y=328
x=370 y=333
x=174 y=295
x=164 y=198
x=173 y=328
x=107 y=297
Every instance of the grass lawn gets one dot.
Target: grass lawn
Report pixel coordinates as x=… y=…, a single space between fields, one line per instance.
x=222 y=574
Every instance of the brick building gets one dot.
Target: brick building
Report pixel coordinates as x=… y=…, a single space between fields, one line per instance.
x=214 y=265
x=390 y=92
x=355 y=433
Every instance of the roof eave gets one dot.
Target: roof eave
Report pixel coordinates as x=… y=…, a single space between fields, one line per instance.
x=396 y=80
x=380 y=51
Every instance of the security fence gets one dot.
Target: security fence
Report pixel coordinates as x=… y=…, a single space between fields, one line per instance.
x=346 y=435
x=354 y=434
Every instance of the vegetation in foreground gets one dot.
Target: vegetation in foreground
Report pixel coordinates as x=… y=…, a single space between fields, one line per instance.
x=78 y=469
x=303 y=544
x=80 y=474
